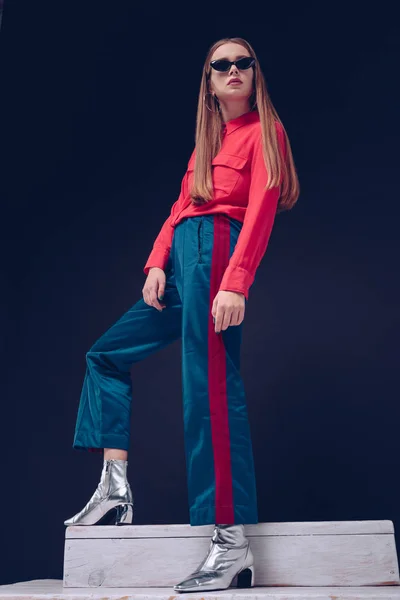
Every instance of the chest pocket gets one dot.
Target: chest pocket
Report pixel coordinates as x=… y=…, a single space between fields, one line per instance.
x=227 y=169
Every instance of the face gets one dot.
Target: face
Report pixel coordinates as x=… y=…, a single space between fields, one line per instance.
x=220 y=85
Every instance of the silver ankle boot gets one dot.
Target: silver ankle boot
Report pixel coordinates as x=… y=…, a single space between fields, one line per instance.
x=112 y=502
x=229 y=562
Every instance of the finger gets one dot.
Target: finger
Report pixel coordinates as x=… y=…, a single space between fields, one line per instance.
x=219 y=318
x=146 y=296
x=161 y=289
x=160 y=299
x=214 y=308
x=235 y=319
x=154 y=301
x=227 y=319
x=232 y=320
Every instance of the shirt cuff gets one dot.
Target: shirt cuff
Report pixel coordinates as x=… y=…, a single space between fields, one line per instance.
x=158 y=258
x=236 y=279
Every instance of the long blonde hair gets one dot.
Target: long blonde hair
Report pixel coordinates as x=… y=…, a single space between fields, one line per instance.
x=208 y=137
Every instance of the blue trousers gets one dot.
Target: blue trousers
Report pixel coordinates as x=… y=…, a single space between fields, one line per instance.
x=218 y=448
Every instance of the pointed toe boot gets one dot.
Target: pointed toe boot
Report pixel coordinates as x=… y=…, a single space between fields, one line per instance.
x=112 y=502
x=228 y=563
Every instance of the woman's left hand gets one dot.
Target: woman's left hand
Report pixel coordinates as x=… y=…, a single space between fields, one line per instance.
x=228 y=309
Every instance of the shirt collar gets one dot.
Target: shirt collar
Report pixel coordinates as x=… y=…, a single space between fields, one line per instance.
x=233 y=124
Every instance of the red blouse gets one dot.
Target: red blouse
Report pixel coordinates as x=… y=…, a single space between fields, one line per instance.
x=239 y=176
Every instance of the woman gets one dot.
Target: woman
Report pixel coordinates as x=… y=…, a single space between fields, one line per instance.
x=202 y=264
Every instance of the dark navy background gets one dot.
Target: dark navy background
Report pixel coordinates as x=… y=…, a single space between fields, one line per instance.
x=98 y=121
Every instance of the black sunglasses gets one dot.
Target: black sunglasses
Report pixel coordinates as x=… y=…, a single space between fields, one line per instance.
x=223 y=65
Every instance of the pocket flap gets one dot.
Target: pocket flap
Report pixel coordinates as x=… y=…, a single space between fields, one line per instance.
x=230 y=160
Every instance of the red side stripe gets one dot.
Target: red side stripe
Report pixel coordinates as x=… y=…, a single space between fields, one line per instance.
x=224 y=510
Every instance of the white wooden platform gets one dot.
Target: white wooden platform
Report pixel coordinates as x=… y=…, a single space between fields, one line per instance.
x=52 y=589
x=340 y=554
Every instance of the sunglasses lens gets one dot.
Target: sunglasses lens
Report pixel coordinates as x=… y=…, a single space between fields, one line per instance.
x=220 y=65
x=224 y=65
x=245 y=63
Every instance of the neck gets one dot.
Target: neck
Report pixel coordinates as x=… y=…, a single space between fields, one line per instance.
x=229 y=111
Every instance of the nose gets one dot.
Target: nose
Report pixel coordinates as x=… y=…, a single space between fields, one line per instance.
x=234 y=70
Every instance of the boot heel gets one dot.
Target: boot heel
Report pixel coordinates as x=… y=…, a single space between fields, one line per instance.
x=124 y=514
x=245 y=578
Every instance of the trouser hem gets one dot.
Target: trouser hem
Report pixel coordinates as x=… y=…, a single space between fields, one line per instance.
x=87 y=442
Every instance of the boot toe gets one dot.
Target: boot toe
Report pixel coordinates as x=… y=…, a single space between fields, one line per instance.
x=74 y=520
x=200 y=581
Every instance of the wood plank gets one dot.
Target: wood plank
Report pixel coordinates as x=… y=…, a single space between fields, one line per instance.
x=52 y=589
x=267 y=529
x=297 y=560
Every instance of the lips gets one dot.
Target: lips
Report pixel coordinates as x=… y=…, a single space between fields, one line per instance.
x=234 y=81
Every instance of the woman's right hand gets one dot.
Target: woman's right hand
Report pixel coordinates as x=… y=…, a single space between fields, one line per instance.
x=154 y=288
